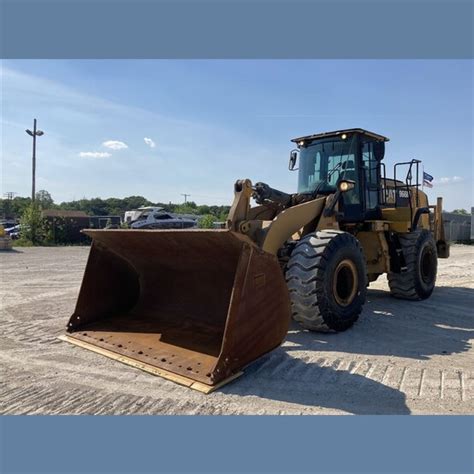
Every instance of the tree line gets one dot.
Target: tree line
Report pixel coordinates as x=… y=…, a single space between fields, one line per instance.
x=15 y=208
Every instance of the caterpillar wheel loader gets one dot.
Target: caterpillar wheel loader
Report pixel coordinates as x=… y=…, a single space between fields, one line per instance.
x=196 y=306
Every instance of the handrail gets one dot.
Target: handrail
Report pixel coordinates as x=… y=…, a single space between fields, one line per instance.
x=384 y=180
x=408 y=182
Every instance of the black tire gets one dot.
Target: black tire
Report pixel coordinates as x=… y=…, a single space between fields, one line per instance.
x=418 y=281
x=327 y=278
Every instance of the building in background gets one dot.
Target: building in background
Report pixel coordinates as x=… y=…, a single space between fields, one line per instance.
x=65 y=226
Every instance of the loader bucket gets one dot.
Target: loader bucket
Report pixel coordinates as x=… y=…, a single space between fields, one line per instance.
x=198 y=303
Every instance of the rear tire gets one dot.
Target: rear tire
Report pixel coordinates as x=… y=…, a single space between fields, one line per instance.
x=327 y=278
x=418 y=282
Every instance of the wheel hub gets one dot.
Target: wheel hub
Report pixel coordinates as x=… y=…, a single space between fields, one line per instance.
x=345 y=282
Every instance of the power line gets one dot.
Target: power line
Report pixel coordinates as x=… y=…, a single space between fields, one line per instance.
x=185 y=197
x=10 y=195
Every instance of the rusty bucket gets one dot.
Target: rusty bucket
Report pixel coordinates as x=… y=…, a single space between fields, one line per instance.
x=201 y=304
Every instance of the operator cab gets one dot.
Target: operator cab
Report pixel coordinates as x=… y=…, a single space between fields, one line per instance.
x=352 y=155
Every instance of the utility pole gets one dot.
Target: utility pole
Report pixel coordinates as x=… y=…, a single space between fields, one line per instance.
x=10 y=195
x=35 y=133
x=7 y=209
x=185 y=197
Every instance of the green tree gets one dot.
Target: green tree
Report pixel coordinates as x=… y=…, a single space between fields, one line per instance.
x=223 y=215
x=184 y=209
x=31 y=225
x=115 y=206
x=206 y=222
x=20 y=204
x=6 y=208
x=106 y=207
x=14 y=208
x=44 y=199
x=203 y=209
x=461 y=211
x=112 y=206
x=134 y=202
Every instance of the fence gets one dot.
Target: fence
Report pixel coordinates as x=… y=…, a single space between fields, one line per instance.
x=458 y=227
x=472 y=223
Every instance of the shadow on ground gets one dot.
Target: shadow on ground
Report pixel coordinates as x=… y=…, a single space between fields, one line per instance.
x=278 y=376
x=440 y=325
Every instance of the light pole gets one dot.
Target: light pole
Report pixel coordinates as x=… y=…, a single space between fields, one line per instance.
x=35 y=133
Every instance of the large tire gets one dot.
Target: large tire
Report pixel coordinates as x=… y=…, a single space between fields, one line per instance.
x=421 y=259
x=327 y=279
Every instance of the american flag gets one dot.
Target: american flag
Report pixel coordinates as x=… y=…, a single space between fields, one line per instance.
x=427 y=179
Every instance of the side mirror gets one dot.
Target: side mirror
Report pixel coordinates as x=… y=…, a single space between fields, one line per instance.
x=293 y=159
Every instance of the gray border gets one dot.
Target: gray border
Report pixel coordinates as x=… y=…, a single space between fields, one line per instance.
x=233 y=29
x=219 y=444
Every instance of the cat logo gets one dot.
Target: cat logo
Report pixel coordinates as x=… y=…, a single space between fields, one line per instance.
x=393 y=194
x=390 y=195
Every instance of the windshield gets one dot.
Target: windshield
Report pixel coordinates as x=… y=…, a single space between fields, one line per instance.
x=325 y=162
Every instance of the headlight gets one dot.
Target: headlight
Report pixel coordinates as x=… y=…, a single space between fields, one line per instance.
x=346 y=186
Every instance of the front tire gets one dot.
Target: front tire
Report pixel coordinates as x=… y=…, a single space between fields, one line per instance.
x=418 y=281
x=327 y=278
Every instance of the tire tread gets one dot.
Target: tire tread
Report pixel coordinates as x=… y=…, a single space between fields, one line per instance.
x=305 y=277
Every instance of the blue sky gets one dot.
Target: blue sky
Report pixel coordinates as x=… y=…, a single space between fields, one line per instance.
x=212 y=122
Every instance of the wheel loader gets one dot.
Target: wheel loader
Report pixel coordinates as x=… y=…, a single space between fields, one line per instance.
x=197 y=306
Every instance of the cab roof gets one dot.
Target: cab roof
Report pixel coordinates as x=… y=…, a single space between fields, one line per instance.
x=338 y=133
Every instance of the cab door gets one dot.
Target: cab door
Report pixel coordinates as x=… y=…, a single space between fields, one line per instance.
x=351 y=202
x=370 y=178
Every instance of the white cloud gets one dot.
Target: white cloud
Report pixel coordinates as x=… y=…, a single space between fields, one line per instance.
x=94 y=154
x=449 y=180
x=100 y=119
x=115 y=145
x=149 y=142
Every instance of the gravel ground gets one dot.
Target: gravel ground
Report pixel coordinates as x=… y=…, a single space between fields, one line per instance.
x=401 y=357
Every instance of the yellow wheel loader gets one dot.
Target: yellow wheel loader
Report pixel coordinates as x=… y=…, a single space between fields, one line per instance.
x=197 y=306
